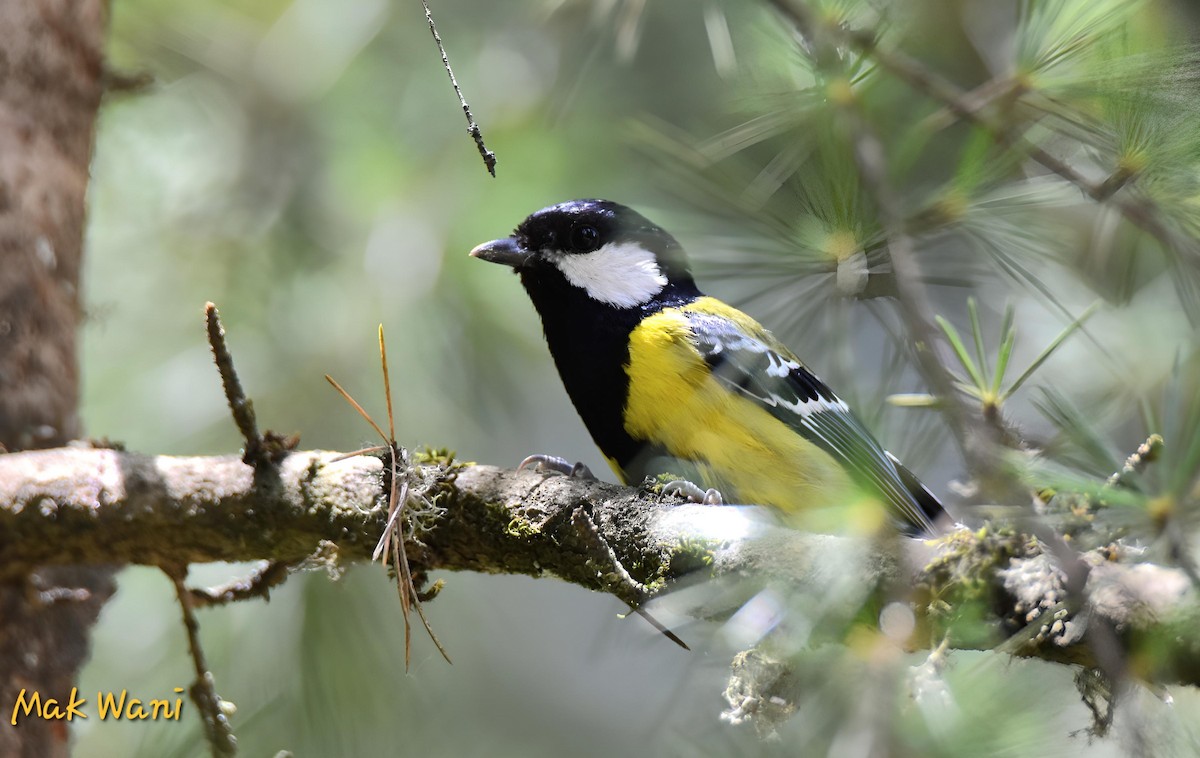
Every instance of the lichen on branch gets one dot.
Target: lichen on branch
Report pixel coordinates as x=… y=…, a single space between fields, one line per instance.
x=100 y=506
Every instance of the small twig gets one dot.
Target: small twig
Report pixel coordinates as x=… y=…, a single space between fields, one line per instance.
x=203 y=691
x=616 y=578
x=258 y=584
x=1177 y=541
x=239 y=405
x=983 y=96
x=1114 y=183
x=489 y=158
x=1134 y=464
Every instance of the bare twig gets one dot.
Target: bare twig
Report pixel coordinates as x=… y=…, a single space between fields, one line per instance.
x=1135 y=463
x=257 y=585
x=1177 y=542
x=489 y=158
x=217 y=730
x=239 y=405
x=615 y=576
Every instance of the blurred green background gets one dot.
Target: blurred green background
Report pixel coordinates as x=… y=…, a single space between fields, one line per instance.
x=305 y=165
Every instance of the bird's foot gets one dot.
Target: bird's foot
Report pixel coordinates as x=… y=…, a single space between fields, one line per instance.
x=546 y=463
x=693 y=493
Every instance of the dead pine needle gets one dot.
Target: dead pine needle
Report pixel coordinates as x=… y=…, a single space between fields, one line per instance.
x=354 y=403
x=392 y=542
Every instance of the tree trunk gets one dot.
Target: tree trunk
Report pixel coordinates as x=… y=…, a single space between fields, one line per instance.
x=51 y=82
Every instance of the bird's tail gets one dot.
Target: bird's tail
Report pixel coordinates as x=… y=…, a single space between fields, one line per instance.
x=925 y=500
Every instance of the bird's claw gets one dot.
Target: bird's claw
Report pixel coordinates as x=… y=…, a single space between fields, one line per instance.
x=693 y=493
x=547 y=463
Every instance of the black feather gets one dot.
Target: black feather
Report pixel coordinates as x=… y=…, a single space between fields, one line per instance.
x=761 y=368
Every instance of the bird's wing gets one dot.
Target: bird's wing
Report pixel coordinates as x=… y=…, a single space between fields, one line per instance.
x=750 y=361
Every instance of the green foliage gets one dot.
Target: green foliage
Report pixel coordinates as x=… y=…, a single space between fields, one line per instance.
x=981 y=382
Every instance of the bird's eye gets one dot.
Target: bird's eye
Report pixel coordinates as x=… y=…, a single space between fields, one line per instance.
x=585 y=238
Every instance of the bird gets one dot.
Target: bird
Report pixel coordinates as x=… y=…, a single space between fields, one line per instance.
x=669 y=380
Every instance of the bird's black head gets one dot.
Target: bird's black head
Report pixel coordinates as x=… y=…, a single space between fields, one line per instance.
x=610 y=253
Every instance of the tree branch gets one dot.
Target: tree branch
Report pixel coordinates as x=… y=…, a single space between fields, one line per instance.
x=78 y=505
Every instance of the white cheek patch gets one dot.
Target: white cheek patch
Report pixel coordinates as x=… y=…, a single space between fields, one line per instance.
x=620 y=274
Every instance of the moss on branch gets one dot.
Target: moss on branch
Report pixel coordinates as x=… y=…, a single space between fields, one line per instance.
x=90 y=506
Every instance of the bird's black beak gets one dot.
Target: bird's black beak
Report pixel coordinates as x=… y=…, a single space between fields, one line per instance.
x=506 y=251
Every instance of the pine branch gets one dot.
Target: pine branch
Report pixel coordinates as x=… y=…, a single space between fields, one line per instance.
x=1139 y=211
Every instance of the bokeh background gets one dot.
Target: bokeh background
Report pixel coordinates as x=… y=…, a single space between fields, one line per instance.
x=305 y=165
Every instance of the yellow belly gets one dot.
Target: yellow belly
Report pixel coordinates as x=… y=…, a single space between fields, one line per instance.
x=738 y=447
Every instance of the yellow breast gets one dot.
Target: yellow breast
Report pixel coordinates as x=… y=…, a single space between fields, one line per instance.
x=739 y=447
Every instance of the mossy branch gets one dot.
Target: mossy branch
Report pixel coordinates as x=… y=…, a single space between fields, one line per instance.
x=101 y=506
